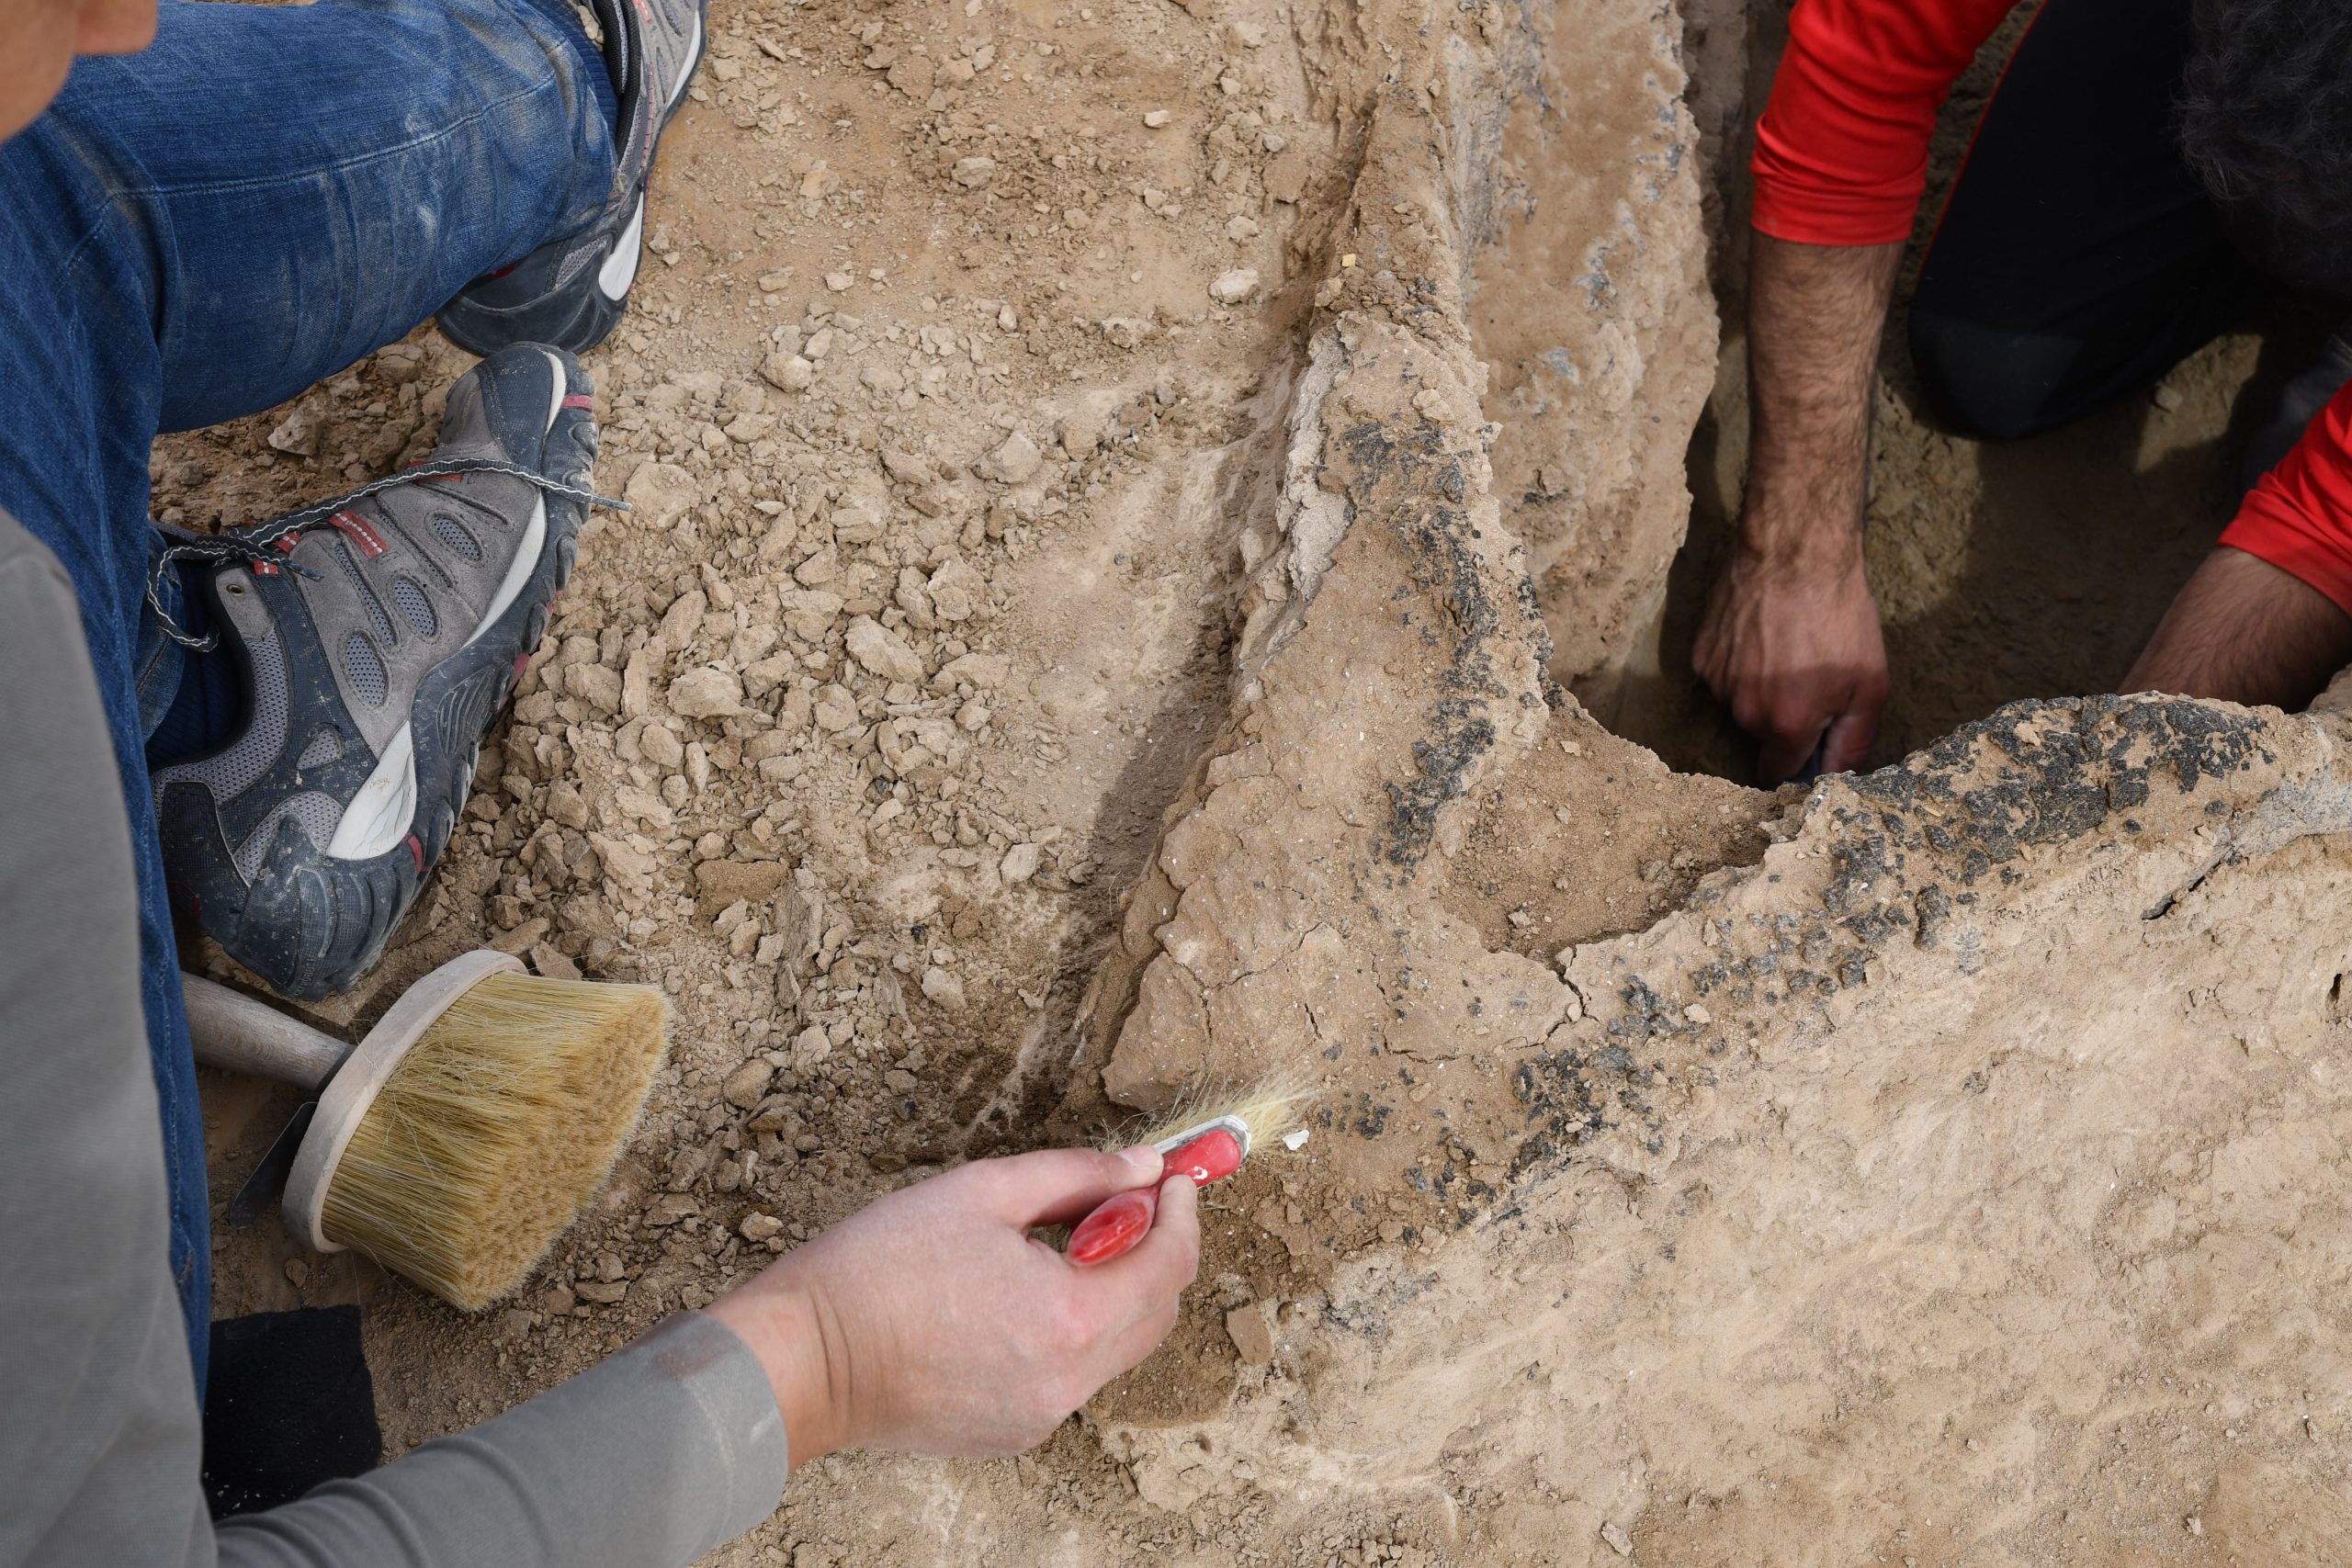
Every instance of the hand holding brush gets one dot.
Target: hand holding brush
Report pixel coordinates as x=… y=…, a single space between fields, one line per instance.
x=1210 y=1138
x=934 y=1322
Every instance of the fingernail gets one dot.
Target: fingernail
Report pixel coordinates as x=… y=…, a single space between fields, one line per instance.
x=1144 y=1157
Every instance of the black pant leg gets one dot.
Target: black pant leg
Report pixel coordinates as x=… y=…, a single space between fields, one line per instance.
x=2078 y=259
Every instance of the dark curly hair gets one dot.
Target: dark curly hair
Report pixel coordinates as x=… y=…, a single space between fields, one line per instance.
x=2265 y=122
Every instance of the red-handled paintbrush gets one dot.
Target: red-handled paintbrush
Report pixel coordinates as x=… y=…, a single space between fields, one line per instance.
x=1207 y=1150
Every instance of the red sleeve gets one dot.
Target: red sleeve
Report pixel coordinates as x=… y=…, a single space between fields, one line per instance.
x=1841 y=151
x=2299 y=518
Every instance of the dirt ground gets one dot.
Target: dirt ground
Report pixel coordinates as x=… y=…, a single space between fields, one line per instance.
x=1109 y=484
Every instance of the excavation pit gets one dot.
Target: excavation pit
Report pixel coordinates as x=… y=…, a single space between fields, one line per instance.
x=1944 y=1160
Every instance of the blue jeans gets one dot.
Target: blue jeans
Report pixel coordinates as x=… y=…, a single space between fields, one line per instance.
x=202 y=231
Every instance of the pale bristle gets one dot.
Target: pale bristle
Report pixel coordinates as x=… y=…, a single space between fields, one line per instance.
x=1269 y=1108
x=496 y=1131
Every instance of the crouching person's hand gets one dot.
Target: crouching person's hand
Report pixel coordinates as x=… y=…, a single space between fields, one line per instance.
x=931 y=1322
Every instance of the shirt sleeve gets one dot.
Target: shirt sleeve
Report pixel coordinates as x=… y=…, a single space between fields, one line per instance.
x=654 y=1456
x=2299 y=516
x=1841 y=149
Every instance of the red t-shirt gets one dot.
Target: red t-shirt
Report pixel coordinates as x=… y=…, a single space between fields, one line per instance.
x=1841 y=159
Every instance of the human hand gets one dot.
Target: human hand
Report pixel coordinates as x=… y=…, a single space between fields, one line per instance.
x=1793 y=644
x=931 y=1322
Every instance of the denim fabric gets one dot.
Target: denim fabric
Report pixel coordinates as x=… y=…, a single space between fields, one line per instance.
x=202 y=231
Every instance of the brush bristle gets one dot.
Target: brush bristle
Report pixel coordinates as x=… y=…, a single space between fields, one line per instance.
x=495 y=1130
x=1269 y=1109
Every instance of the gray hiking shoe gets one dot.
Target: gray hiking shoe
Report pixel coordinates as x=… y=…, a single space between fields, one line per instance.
x=378 y=636
x=571 y=292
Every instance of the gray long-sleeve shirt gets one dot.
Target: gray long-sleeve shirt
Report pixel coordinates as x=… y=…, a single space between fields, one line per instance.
x=648 y=1460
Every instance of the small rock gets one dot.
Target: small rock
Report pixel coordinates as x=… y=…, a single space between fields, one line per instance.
x=595 y=684
x=954 y=590
x=810 y=1047
x=905 y=467
x=974 y=173
x=660 y=494
x=669 y=1209
x=682 y=622
x=1232 y=288
x=400 y=363
x=943 y=988
x=881 y=650
x=706 y=692
x=835 y=710
x=981 y=670
x=748 y=1084
x=788 y=372
x=840 y=282
x=299 y=433
x=660 y=746
x=566 y=806
x=756 y=1226
x=765 y=675
x=637 y=681
x=1125 y=331
x=603 y=1293
x=1619 y=1541
x=1020 y=864
x=912 y=76
x=1014 y=461
x=1245 y=1326
x=552 y=962
x=1156 y=118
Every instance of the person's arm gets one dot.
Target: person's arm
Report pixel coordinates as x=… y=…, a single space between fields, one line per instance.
x=2267 y=619
x=1791 y=640
x=2245 y=631
x=927 y=1321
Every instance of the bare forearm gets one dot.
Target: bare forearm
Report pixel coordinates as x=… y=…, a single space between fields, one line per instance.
x=2245 y=631
x=1790 y=639
x=1815 y=313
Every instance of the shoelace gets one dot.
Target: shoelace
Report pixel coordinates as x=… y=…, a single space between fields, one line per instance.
x=254 y=546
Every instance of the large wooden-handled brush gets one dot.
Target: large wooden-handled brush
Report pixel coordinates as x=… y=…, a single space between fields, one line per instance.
x=469 y=1129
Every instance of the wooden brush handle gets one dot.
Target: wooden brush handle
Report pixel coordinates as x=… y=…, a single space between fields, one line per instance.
x=238 y=1034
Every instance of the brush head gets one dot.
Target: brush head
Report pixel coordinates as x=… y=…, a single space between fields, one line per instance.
x=491 y=1134
x=1263 y=1111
